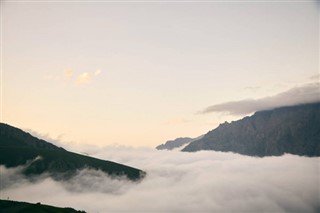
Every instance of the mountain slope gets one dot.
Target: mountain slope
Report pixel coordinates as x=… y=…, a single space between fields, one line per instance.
x=20 y=148
x=171 y=144
x=178 y=142
x=14 y=137
x=294 y=130
x=8 y=206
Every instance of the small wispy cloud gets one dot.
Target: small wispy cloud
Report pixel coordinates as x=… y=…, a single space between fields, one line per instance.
x=83 y=78
x=67 y=73
x=97 y=72
x=87 y=77
x=309 y=93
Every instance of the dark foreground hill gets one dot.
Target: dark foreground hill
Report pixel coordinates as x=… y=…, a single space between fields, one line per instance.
x=294 y=129
x=20 y=148
x=8 y=206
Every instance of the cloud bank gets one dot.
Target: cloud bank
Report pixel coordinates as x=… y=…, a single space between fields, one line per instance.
x=306 y=94
x=204 y=181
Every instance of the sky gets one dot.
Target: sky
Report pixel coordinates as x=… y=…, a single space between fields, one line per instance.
x=141 y=73
x=221 y=182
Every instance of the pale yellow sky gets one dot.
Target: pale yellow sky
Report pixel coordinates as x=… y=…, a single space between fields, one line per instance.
x=139 y=73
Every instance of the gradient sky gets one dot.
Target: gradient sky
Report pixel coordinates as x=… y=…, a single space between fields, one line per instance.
x=139 y=73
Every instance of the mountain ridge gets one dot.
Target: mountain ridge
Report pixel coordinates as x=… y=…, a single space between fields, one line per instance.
x=10 y=206
x=18 y=147
x=23 y=138
x=176 y=143
x=289 y=129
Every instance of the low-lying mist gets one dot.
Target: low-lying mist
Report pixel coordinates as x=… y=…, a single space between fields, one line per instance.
x=205 y=181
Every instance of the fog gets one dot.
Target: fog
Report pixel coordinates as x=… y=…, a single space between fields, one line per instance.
x=204 y=181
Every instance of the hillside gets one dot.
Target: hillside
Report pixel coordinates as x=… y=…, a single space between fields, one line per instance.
x=8 y=206
x=294 y=129
x=14 y=137
x=20 y=148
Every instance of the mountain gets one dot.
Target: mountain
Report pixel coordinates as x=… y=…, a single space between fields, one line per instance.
x=176 y=143
x=20 y=148
x=294 y=129
x=9 y=206
x=171 y=144
x=12 y=136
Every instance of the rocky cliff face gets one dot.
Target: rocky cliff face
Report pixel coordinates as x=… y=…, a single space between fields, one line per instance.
x=294 y=130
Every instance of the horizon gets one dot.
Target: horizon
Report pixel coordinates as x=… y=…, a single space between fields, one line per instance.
x=92 y=149
x=141 y=73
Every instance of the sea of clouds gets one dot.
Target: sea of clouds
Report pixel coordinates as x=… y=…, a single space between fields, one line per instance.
x=204 y=181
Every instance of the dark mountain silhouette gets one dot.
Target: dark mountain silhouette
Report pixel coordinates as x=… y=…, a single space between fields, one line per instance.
x=294 y=129
x=20 y=148
x=178 y=142
x=14 y=137
x=9 y=206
